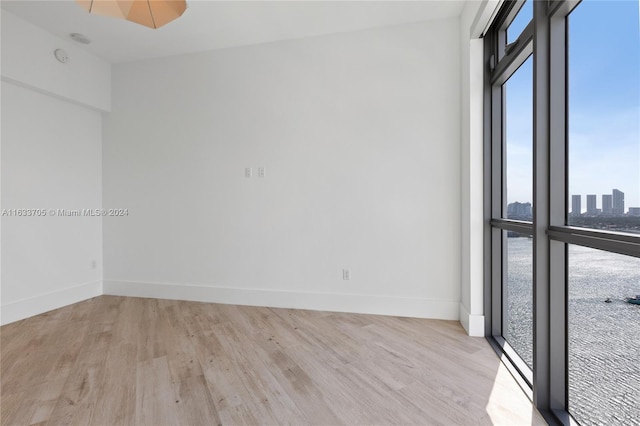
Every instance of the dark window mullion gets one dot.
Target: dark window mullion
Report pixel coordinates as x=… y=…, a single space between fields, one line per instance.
x=513 y=225
x=497 y=234
x=511 y=62
x=541 y=211
x=601 y=241
x=558 y=288
x=521 y=366
x=612 y=236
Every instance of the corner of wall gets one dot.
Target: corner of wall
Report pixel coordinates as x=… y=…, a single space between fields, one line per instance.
x=42 y=303
x=473 y=324
x=475 y=18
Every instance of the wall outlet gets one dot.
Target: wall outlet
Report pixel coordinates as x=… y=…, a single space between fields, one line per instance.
x=248 y=172
x=346 y=274
x=93 y=264
x=262 y=172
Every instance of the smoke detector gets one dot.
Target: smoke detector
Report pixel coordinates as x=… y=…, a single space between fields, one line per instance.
x=61 y=55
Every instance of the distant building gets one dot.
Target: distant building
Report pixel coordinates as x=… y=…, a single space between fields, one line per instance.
x=519 y=210
x=576 y=205
x=618 y=203
x=607 y=204
x=634 y=211
x=591 y=205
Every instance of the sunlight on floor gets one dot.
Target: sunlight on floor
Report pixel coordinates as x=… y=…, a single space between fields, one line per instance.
x=506 y=398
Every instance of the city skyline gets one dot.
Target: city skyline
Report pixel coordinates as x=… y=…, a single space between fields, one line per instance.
x=612 y=203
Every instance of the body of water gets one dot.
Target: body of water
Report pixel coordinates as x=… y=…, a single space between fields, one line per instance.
x=604 y=338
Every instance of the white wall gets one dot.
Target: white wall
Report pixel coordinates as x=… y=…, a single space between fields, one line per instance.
x=50 y=159
x=360 y=137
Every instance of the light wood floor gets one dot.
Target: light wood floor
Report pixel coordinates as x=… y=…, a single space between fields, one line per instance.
x=117 y=360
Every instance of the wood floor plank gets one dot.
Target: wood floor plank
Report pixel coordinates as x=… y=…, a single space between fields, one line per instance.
x=120 y=385
x=133 y=361
x=155 y=394
x=195 y=405
x=12 y=410
x=84 y=384
x=262 y=392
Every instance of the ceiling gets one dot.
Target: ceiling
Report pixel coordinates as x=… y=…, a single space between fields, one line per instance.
x=210 y=25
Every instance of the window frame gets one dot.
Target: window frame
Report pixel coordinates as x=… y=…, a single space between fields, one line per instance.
x=546 y=38
x=503 y=63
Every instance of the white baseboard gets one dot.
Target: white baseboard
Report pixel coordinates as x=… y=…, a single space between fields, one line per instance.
x=473 y=324
x=26 y=308
x=334 y=302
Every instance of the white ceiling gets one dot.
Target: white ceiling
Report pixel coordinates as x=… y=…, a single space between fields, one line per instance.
x=221 y=24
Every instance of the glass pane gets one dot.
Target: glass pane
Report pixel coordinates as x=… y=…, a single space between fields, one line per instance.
x=518 y=295
x=604 y=349
x=604 y=106
x=520 y=22
x=518 y=107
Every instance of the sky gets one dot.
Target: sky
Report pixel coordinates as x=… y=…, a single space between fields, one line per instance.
x=604 y=106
